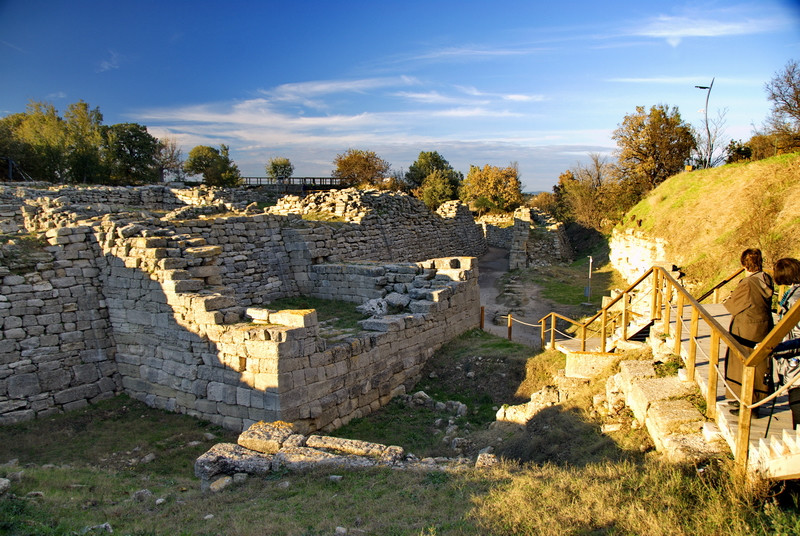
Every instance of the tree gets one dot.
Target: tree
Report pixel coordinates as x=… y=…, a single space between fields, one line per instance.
x=363 y=169
x=493 y=188
x=279 y=168
x=45 y=136
x=131 y=155
x=84 y=129
x=652 y=146
x=783 y=124
x=427 y=162
x=214 y=165
x=737 y=152
x=710 y=150
x=169 y=159
x=437 y=188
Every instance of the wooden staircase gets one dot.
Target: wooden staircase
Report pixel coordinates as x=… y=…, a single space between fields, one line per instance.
x=777 y=457
x=695 y=332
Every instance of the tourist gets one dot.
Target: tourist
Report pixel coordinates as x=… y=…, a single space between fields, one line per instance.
x=751 y=319
x=787 y=272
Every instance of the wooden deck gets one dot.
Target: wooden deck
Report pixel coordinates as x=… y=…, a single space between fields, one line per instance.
x=769 y=428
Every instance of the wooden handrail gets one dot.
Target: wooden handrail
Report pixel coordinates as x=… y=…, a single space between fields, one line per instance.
x=663 y=288
x=719 y=285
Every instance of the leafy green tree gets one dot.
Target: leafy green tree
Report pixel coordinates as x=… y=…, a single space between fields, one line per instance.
x=214 y=165
x=131 y=155
x=84 y=141
x=279 y=168
x=493 y=188
x=44 y=134
x=14 y=153
x=437 y=188
x=427 y=162
x=653 y=146
x=363 y=169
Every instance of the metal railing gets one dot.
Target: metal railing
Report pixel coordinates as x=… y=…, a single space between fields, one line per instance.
x=666 y=295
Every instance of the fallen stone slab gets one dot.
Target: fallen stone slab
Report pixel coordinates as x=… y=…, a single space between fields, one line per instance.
x=305 y=458
x=229 y=459
x=356 y=447
x=267 y=437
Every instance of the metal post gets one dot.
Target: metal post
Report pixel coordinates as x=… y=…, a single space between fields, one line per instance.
x=707 y=162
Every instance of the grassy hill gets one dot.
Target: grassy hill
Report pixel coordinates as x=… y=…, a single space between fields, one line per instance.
x=709 y=216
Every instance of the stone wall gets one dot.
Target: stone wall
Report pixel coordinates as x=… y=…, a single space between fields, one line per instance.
x=173 y=311
x=56 y=346
x=632 y=253
x=532 y=238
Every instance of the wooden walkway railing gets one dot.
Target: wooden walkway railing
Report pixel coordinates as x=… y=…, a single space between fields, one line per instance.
x=663 y=293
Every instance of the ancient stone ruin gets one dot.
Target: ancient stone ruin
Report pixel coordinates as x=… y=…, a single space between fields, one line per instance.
x=165 y=294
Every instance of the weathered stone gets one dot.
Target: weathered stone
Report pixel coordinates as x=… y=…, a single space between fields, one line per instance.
x=265 y=437
x=229 y=459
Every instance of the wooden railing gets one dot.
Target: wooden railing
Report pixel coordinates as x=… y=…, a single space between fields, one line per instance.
x=664 y=294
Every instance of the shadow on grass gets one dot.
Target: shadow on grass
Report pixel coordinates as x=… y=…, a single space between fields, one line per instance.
x=563 y=437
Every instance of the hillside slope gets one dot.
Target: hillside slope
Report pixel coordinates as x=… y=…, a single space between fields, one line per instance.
x=707 y=217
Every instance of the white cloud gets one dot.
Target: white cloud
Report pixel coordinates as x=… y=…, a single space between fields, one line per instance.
x=111 y=63
x=720 y=24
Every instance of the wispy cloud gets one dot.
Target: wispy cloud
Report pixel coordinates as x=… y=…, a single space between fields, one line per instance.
x=475 y=52
x=675 y=28
x=12 y=46
x=111 y=63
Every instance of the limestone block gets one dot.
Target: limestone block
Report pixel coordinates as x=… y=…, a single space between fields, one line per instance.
x=587 y=364
x=229 y=459
x=356 y=447
x=646 y=391
x=296 y=318
x=23 y=386
x=202 y=252
x=266 y=437
x=676 y=416
x=631 y=370
x=304 y=458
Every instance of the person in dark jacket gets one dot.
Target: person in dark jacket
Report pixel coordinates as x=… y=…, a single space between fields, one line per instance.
x=751 y=320
x=787 y=353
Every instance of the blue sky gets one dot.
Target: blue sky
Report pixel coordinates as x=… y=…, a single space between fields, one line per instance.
x=538 y=83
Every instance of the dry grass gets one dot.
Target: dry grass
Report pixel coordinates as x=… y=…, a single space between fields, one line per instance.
x=709 y=216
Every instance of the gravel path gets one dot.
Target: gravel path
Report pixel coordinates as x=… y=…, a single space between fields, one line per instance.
x=491 y=266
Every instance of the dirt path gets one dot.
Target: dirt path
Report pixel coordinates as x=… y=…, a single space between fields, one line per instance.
x=528 y=306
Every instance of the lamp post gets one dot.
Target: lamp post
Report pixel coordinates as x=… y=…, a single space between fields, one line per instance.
x=707 y=163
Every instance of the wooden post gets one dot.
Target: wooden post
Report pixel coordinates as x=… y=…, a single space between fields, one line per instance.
x=743 y=433
x=509 y=326
x=583 y=338
x=654 y=297
x=691 y=360
x=679 y=323
x=713 y=360
x=625 y=319
x=665 y=302
x=483 y=312
x=553 y=320
x=543 y=321
x=603 y=327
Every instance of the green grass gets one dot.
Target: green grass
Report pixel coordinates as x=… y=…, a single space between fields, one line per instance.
x=82 y=469
x=338 y=314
